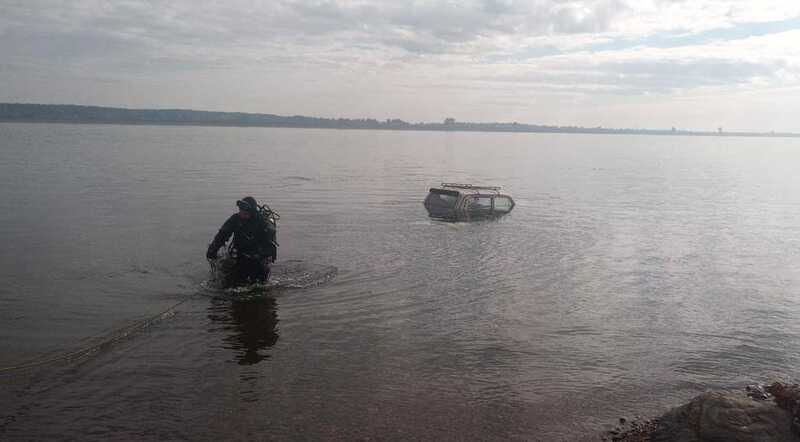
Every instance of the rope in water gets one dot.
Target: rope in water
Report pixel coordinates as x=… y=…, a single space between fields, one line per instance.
x=265 y=211
x=116 y=337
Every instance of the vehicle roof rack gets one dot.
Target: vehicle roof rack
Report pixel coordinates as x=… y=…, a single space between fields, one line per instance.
x=471 y=187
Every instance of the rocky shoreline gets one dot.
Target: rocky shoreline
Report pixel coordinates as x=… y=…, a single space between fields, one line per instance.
x=759 y=413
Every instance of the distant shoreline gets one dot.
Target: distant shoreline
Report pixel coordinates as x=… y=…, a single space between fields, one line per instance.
x=653 y=132
x=75 y=114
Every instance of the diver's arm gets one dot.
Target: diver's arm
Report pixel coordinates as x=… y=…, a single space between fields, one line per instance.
x=221 y=237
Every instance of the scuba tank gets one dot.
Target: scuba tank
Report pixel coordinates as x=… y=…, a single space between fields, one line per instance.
x=270 y=219
x=269 y=215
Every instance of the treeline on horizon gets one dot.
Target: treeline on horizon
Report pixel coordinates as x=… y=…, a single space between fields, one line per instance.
x=67 y=113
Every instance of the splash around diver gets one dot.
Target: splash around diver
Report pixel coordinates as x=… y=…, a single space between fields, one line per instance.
x=293 y=274
x=232 y=275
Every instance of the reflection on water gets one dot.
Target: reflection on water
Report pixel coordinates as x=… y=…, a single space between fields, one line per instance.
x=247 y=315
x=250 y=326
x=634 y=273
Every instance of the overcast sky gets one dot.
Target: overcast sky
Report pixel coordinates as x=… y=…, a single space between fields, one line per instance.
x=692 y=64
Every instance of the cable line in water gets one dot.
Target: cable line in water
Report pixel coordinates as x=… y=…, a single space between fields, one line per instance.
x=86 y=351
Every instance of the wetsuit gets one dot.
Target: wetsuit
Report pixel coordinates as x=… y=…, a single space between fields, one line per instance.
x=253 y=247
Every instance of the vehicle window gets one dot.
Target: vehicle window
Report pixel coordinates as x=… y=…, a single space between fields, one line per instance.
x=502 y=204
x=441 y=201
x=479 y=204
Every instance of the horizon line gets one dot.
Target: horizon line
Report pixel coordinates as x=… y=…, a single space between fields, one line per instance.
x=365 y=123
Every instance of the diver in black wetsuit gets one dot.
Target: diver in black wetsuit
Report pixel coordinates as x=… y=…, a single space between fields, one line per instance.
x=253 y=247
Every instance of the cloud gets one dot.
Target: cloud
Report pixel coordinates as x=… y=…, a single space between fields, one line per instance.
x=772 y=60
x=305 y=56
x=470 y=28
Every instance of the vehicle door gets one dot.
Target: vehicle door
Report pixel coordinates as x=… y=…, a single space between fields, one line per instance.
x=479 y=206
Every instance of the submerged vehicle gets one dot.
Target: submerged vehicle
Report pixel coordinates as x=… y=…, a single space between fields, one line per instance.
x=466 y=202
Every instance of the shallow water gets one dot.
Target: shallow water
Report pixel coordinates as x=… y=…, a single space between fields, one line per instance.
x=634 y=273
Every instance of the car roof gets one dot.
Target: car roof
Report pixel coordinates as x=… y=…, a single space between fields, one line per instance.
x=468 y=189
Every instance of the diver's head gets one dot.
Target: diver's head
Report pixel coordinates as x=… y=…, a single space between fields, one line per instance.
x=248 y=208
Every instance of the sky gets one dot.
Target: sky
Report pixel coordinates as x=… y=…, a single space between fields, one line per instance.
x=689 y=64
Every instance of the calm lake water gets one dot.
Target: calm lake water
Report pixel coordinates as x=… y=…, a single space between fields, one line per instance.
x=634 y=273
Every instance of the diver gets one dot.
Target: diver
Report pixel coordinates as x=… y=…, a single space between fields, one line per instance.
x=253 y=249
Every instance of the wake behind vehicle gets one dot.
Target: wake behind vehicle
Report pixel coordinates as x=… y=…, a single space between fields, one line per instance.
x=467 y=202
